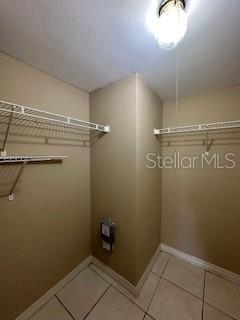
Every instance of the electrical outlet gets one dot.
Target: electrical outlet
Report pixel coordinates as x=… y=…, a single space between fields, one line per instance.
x=106 y=246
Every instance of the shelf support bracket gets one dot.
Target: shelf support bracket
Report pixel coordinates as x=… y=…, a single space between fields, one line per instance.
x=208 y=143
x=3 y=151
x=11 y=193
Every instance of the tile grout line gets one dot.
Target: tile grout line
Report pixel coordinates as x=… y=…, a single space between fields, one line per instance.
x=151 y=317
x=183 y=289
x=228 y=315
x=205 y=268
x=202 y=265
x=214 y=307
x=55 y=295
x=223 y=278
x=152 y=297
x=178 y=286
x=122 y=293
x=204 y=285
x=128 y=298
x=164 y=269
x=194 y=295
x=72 y=279
x=112 y=285
x=155 y=274
x=160 y=277
x=145 y=316
x=202 y=299
x=44 y=305
x=100 y=274
x=98 y=300
x=65 y=308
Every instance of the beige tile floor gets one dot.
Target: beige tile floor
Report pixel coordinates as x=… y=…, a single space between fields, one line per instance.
x=174 y=290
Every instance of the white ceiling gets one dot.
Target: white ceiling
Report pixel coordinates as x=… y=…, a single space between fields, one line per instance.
x=90 y=43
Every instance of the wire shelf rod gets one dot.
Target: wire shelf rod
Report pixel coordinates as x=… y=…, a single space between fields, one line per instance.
x=22 y=162
x=22 y=159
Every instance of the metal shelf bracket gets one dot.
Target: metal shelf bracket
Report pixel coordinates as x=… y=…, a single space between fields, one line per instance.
x=22 y=161
x=11 y=194
x=209 y=143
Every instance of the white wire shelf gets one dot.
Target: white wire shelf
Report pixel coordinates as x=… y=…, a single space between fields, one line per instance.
x=16 y=115
x=199 y=127
x=24 y=112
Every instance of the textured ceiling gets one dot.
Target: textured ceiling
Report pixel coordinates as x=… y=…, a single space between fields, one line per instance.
x=90 y=43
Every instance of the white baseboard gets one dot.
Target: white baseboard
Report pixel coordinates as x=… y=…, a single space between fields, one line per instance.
x=234 y=277
x=115 y=276
x=121 y=280
x=110 y=272
x=53 y=291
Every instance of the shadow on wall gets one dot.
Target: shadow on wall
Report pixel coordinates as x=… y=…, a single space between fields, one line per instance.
x=23 y=130
x=220 y=137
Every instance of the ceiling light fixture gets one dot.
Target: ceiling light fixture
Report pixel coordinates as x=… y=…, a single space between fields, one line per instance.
x=171 y=25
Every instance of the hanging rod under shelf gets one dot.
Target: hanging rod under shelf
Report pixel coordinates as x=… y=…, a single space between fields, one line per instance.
x=30 y=159
x=199 y=127
x=22 y=161
x=49 y=117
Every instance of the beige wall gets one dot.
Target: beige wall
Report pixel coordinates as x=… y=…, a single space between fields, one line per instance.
x=200 y=208
x=113 y=172
x=45 y=231
x=117 y=170
x=148 y=181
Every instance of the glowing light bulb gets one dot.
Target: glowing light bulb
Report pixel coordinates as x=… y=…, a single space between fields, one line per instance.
x=170 y=27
